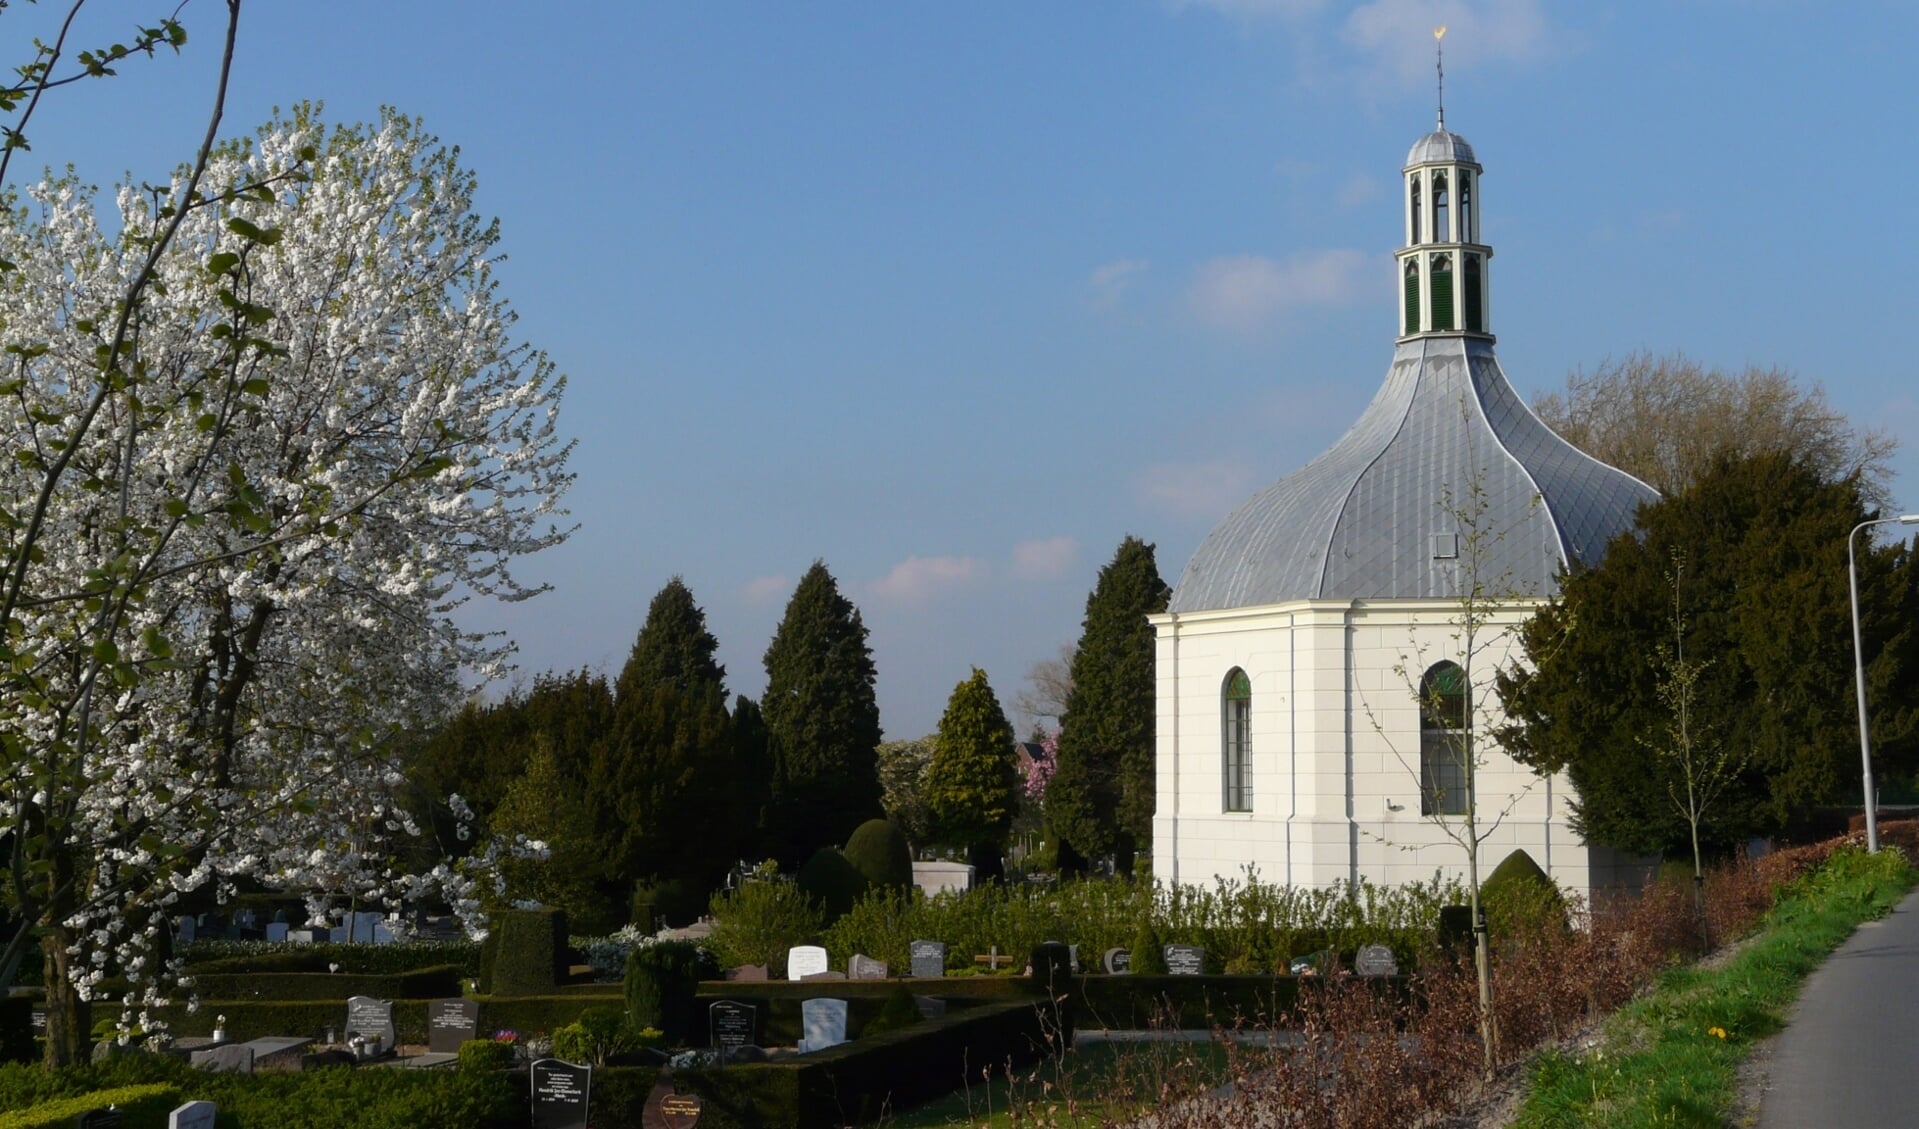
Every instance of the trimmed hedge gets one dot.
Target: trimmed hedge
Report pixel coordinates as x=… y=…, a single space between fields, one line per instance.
x=424 y=983
x=253 y=1019
x=376 y=960
x=142 y=1107
x=16 y=1029
x=525 y=953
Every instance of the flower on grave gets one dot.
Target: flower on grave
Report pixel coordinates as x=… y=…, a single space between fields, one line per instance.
x=505 y=1036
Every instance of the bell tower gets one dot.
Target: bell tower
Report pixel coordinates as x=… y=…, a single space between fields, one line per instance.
x=1443 y=265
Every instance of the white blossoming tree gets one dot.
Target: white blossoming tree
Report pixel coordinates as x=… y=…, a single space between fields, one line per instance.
x=265 y=434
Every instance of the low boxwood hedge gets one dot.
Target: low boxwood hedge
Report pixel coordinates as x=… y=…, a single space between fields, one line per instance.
x=253 y=1019
x=141 y=1107
x=423 y=983
x=375 y=960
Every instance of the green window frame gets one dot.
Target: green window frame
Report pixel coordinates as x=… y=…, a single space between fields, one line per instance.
x=1236 y=741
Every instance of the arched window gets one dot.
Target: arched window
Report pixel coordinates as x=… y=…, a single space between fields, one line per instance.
x=1412 y=295
x=1416 y=210
x=1440 y=228
x=1442 y=292
x=1465 y=207
x=1475 y=299
x=1443 y=708
x=1236 y=740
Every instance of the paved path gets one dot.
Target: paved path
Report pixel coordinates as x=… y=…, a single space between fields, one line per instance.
x=1849 y=1056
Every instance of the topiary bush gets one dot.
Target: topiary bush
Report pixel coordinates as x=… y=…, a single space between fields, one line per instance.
x=1520 y=897
x=528 y=953
x=901 y=1010
x=140 y=1105
x=486 y=1054
x=1149 y=953
x=661 y=982
x=878 y=850
x=832 y=881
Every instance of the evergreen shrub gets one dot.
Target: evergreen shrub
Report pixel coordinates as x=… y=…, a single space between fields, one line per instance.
x=1149 y=952
x=1519 y=897
x=758 y=921
x=661 y=983
x=485 y=1054
x=141 y=1107
x=832 y=881
x=878 y=850
x=529 y=953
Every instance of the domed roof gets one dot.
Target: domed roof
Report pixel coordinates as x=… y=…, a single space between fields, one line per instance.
x=1440 y=145
x=1377 y=515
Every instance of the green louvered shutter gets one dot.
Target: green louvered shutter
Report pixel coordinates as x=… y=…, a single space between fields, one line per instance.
x=1475 y=305
x=1442 y=296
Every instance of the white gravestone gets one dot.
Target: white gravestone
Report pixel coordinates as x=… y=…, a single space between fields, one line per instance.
x=805 y=960
x=824 y=1022
x=193 y=1115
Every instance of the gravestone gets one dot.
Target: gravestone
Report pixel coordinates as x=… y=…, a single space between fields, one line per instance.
x=37 y=1017
x=824 y=1024
x=450 y=1023
x=276 y=931
x=186 y=928
x=234 y=1058
x=731 y=1025
x=561 y=1091
x=1312 y=964
x=746 y=972
x=804 y=960
x=829 y=974
x=193 y=1115
x=108 y=1118
x=929 y=959
x=862 y=967
x=1119 y=961
x=1185 y=960
x=930 y=1007
x=1375 y=960
x=371 y=1018
x=1051 y=965
x=679 y=1111
x=300 y=936
x=277 y=1052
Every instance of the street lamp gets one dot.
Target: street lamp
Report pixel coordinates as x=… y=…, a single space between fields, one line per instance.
x=1859 y=664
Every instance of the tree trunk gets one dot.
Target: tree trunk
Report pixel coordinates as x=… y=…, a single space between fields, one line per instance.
x=68 y=1026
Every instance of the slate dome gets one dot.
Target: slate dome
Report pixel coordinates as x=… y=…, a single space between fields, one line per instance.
x=1440 y=146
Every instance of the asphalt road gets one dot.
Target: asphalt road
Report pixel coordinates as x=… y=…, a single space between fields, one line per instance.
x=1849 y=1056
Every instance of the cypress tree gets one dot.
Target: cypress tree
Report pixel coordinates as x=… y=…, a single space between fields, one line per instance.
x=972 y=786
x=1100 y=799
x=822 y=719
x=674 y=647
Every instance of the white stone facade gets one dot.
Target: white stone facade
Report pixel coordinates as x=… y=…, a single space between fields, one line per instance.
x=1335 y=751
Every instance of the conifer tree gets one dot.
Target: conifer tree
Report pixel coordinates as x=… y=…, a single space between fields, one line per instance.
x=971 y=788
x=674 y=647
x=822 y=719
x=1100 y=799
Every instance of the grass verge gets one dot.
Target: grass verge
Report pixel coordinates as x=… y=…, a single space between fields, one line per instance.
x=1671 y=1057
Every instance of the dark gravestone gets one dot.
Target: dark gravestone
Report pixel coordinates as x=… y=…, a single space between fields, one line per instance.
x=1375 y=960
x=746 y=972
x=1455 y=928
x=370 y=1018
x=450 y=1023
x=930 y=1008
x=862 y=967
x=1052 y=965
x=1185 y=960
x=560 y=1094
x=929 y=959
x=1119 y=961
x=732 y=1025
x=100 y=1119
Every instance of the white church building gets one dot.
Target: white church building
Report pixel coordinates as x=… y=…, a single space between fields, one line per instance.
x=1310 y=682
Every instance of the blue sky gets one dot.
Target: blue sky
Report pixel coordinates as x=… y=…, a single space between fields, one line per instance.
x=956 y=296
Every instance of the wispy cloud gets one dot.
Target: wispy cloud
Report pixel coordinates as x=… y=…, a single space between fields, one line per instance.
x=1398 y=34
x=1110 y=282
x=1246 y=292
x=917 y=578
x=1045 y=559
x=1205 y=489
x=766 y=589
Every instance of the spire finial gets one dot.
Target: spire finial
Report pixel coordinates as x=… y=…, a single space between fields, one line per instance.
x=1439 y=48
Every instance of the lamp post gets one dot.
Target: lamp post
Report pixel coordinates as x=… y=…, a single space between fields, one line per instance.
x=1859 y=665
